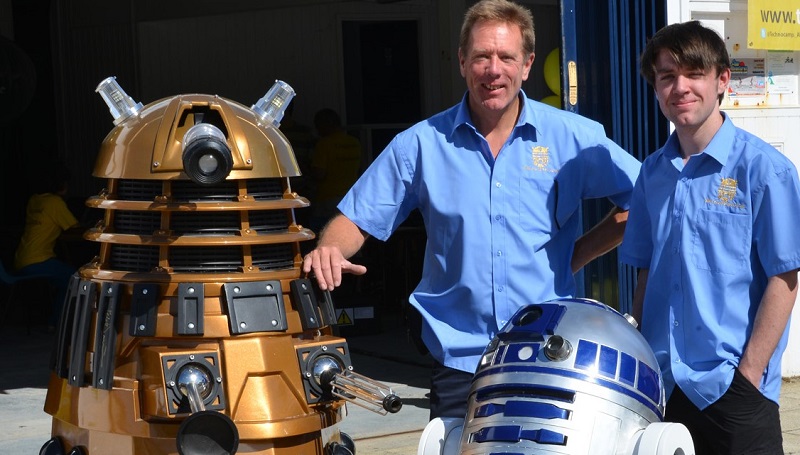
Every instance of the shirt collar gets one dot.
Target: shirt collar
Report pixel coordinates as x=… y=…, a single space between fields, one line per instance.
x=719 y=148
x=721 y=144
x=527 y=115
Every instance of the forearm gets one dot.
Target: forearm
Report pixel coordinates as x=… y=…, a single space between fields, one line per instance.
x=771 y=319
x=343 y=234
x=340 y=240
x=602 y=238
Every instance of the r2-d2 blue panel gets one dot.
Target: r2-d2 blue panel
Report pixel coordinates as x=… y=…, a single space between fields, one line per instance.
x=569 y=376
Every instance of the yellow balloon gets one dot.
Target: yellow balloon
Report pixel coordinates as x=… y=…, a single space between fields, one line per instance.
x=552 y=100
x=552 y=71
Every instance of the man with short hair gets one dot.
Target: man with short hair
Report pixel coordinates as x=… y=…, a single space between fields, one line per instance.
x=499 y=180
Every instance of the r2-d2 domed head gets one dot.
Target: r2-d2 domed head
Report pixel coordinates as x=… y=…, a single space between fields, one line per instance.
x=569 y=376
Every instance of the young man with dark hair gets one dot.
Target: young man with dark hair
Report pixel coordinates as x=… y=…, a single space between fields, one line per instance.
x=710 y=228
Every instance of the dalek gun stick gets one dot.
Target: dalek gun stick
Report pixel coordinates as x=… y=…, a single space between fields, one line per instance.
x=365 y=392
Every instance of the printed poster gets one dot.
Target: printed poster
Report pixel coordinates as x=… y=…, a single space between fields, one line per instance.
x=747 y=78
x=782 y=72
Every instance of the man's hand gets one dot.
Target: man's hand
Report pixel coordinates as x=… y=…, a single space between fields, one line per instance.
x=771 y=318
x=328 y=264
x=339 y=240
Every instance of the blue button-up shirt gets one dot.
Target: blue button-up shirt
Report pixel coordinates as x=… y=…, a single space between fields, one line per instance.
x=500 y=231
x=711 y=232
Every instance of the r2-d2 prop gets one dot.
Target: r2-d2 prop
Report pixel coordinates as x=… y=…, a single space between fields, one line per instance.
x=567 y=376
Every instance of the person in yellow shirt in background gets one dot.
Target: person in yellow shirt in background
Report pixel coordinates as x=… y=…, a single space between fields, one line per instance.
x=46 y=217
x=335 y=166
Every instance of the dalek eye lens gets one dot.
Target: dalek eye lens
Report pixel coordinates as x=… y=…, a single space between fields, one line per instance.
x=207 y=159
x=208 y=164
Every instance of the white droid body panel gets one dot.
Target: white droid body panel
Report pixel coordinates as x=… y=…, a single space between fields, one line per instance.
x=567 y=376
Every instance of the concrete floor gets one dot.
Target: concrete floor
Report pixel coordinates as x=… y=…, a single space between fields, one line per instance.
x=388 y=358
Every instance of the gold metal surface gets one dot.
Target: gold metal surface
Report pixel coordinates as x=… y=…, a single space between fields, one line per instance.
x=148 y=146
x=572 y=80
x=146 y=237
x=99 y=202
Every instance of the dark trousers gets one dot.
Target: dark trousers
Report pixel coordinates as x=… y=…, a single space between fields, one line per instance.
x=449 y=391
x=742 y=422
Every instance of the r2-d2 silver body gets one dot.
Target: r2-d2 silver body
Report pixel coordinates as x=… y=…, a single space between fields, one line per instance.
x=567 y=376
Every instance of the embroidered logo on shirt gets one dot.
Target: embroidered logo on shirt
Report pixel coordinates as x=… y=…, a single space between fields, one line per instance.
x=540 y=157
x=726 y=193
x=727 y=190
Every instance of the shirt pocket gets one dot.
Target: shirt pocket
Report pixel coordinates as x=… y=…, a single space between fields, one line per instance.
x=721 y=241
x=537 y=202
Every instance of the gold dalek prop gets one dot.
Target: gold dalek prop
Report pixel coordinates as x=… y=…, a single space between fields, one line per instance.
x=193 y=331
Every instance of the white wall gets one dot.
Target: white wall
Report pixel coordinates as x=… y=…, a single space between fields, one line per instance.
x=774 y=119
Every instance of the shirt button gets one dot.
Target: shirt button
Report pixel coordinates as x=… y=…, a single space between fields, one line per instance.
x=499 y=253
x=499 y=288
x=677 y=360
x=497 y=184
x=675 y=323
x=498 y=217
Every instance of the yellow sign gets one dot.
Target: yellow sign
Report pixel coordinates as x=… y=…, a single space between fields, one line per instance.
x=773 y=24
x=345 y=318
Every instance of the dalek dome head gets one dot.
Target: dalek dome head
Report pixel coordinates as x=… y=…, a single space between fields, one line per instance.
x=197 y=137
